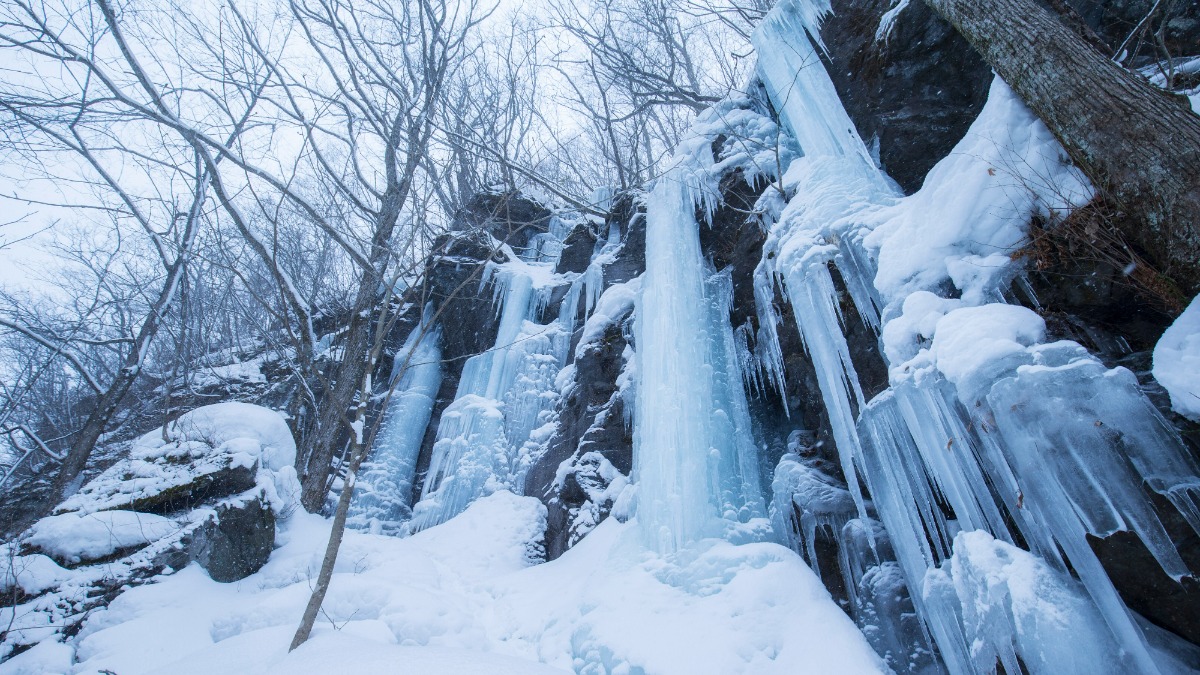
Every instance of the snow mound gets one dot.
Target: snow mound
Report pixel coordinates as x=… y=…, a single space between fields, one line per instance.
x=260 y=433
x=33 y=574
x=610 y=606
x=73 y=538
x=1177 y=362
x=973 y=345
x=212 y=451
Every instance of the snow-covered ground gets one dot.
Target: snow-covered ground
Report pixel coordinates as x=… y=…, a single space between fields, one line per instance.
x=467 y=597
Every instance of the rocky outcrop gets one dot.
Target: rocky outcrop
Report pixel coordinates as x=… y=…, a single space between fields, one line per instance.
x=590 y=455
x=236 y=540
x=210 y=493
x=508 y=216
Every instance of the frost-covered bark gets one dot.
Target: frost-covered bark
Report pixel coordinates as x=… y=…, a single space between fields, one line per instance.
x=1138 y=144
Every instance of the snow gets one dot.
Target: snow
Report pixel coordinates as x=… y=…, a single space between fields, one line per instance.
x=80 y=538
x=33 y=574
x=228 y=424
x=716 y=608
x=974 y=207
x=615 y=303
x=974 y=344
x=204 y=441
x=242 y=371
x=43 y=659
x=1177 y=362
x=466 y=597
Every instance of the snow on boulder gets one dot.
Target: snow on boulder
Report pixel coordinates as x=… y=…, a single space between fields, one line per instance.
x=258 y=432
x=211 y=452
x=1177 y=362
x=75 y=539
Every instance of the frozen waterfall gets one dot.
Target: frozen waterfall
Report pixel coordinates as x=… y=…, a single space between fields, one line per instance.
x=695 y=460
x=483 y=440
x=382 y=498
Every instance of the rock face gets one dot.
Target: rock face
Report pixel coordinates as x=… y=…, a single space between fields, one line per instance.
x=507 y=216
x=911 y=86
x=590 y=455
x=236 y=540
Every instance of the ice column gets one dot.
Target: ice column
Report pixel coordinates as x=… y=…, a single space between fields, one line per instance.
x=736 y=455
x=383 y=493
x=673 y=435
x=798 y=85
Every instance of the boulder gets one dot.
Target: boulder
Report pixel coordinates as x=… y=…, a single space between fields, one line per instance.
x=236 y=540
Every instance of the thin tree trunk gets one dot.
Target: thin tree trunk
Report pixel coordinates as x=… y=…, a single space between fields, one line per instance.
x=1139 y=145
x=356 y=362
x=358 y=452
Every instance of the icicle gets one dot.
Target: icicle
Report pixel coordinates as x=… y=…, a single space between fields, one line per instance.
x=733 y=439
x=938 y=425
x=767 y=352
x=815 y=303
x=799 y=86
x=858 y=271
x=805 y=499
x=1014 y=609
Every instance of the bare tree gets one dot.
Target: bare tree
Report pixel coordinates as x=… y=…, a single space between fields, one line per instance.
x=641 y=70
x=368 y=117
x=87 y=114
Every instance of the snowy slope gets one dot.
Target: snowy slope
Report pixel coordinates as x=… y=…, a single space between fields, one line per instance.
x=463 y=597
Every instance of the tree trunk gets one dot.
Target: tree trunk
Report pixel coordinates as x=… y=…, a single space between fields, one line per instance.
x=357 y=359
x=1139 y=145
x=336 y=404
